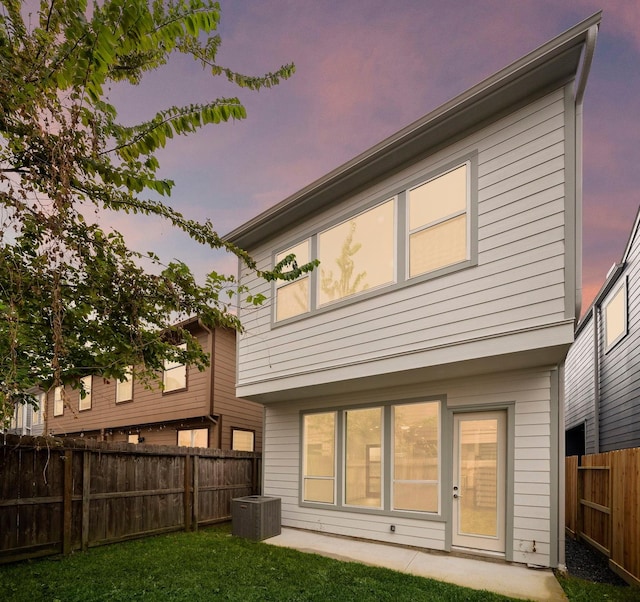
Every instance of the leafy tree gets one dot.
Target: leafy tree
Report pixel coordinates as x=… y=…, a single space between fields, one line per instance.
x=74 y=299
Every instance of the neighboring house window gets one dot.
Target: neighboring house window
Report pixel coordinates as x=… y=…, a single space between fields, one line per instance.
x=357 y=451
x=292 y=298
x=84 y=403
x=427 y=229
x=242 y=440
x=615 y=316
x=358 y=254
x=58 y=402
x=124 y=387
x=319 y=457
x=133 y=438
x=18 y=412
x=437 y=214
x=40 y=413
x=194 y=437
x=175 y=374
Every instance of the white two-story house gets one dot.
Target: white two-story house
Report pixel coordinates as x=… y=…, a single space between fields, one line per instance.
x=412 y=382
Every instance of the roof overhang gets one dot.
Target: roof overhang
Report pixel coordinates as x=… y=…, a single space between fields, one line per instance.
x=553 y=65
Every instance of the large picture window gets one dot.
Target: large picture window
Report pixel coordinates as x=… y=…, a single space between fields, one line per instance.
x=438 y=222
x=357 y=255
x=318 y=459
x=354 y=443
x=425 y=228
x=615 y=316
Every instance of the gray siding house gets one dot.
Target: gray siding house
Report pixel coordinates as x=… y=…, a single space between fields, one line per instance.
x=411 y=383
x=603 y=366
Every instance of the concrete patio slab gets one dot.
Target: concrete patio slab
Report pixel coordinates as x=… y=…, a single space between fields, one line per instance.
x=515 y=581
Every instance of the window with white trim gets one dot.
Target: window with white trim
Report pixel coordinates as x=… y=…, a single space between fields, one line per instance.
x=174 y=377
x=351 y=442
x=615 y=315
x=84 y=401
x=124 y=387
x=40 y=413
x=370 y=250
x=58 y=402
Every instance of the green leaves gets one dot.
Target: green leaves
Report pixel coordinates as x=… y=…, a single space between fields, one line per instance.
x=74 y=299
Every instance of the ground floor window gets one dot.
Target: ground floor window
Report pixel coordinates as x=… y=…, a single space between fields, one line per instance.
x=385 y=457
x=194 y=437
x=243 y=440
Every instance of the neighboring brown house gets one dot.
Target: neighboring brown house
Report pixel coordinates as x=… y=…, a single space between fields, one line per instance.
x=196 y=408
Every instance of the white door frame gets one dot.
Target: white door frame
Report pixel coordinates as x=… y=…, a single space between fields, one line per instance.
x=473 y=541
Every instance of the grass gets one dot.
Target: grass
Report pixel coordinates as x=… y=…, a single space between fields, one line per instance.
x=580 y=590
x=213 y=565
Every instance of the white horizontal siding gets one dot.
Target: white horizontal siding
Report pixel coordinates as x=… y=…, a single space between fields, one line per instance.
x=519 y=281
x=529 y=392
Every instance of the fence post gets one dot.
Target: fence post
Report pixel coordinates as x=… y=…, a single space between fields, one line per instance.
x=196 y=463
x=86 y=492
x=187 y=492
x=67 y=495
x=579 y=507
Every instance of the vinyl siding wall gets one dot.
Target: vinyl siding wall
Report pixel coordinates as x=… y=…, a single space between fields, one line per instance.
x=620 y=371
x=530 y=467
x=580 y=372
x=519 y=282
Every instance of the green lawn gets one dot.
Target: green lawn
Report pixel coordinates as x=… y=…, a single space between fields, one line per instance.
x=213 y=565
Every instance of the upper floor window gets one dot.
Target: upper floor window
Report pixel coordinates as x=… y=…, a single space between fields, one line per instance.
x=358 y=254
x=615 y=315
x=292 y=298
x=373 y=249
x=84 y=403
x=58 y=402
x=174 y=376
x=438 y=222
x=40 y=413
x=124 y=387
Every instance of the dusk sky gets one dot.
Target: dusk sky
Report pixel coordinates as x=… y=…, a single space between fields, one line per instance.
x=366 y=69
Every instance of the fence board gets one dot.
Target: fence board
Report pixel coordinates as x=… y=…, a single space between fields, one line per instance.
x=60 y=494
x=603 y=507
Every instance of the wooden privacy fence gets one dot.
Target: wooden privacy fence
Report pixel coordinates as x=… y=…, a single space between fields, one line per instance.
x=603 y=507
x=60 y=495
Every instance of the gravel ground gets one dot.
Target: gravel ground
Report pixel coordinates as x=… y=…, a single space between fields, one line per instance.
x=586 y=563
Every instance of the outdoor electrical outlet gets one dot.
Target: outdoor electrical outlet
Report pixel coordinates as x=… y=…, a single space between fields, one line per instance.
x=392 y=528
